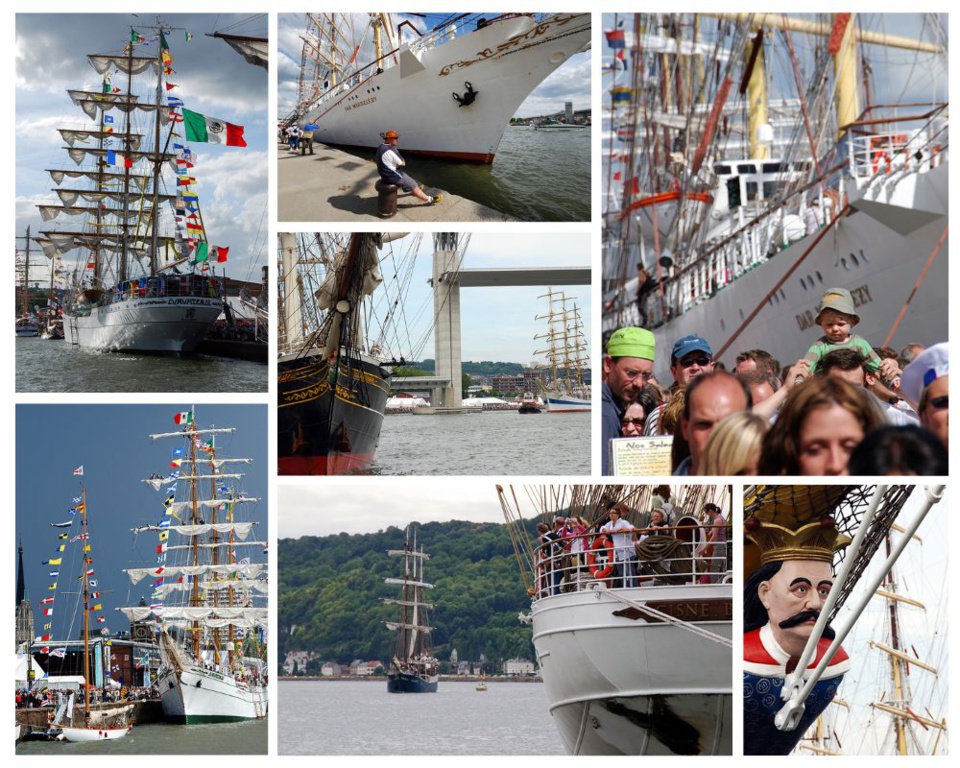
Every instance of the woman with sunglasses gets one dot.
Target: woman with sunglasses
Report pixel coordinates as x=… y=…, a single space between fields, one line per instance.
x=646 y=401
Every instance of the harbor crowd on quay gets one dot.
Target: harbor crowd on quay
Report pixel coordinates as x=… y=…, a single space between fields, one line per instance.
x=846 y=407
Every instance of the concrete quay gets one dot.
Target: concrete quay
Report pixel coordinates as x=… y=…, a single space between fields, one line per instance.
x=336 y=186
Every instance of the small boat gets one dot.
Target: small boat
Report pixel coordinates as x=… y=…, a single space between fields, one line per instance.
x=530 y=404
x=482 y=683
x=555 y=126
x=27 y=327
x=414 y=668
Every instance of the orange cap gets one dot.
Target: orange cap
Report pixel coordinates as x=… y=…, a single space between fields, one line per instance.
x=391 y=135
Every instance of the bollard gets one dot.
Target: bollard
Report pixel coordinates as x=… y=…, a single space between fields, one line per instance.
x=386 y=199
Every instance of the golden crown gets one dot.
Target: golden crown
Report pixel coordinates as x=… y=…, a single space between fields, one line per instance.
x=813 y=541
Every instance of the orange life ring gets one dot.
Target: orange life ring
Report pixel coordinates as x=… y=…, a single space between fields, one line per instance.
x=881 y=158
x=600 y=557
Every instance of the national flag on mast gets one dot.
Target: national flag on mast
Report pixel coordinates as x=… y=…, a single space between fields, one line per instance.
x=212 y=130
x=79 y=470
x=184 y=417
x=615 y=38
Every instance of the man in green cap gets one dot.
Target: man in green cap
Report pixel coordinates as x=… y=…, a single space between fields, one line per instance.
x=627 y=367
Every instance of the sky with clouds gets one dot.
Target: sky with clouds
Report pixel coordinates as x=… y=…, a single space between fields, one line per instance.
x=571 y=82
x=212 y=79
x=112 y=443
x=498 y=324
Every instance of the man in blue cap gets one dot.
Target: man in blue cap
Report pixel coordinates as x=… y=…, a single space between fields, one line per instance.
x=691 y=357
x=627 y=367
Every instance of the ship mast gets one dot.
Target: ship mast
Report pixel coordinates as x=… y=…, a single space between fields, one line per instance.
x=411 y=633
x=25 y=297
x=86 y=611
x=900 y=707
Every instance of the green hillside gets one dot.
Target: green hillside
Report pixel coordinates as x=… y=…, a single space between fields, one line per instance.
x=330 y=589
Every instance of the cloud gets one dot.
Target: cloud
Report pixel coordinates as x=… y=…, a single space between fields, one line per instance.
x=310 y=510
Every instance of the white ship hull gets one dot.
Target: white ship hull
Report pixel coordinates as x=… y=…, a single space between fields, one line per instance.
x=618 y=684
x=171 y=324
x=567 y=404
x=198 y=695
x=878 y=252
x=503 y=62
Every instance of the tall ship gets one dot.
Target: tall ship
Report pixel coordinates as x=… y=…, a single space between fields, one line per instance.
x=100 y=721
x=632 y=664
x=333 y=372
x=144 y=278
x=752 y=161
x=449 y=91
x=209 y=587
x=566 y=353
x=413 y=669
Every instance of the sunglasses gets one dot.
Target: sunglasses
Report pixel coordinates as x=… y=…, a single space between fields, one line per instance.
x=635 y=422
x=701 y=361
x=940 y=402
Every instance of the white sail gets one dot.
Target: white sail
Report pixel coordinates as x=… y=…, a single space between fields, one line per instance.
x=208 y=602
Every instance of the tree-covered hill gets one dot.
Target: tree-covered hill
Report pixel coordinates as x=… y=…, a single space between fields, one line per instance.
x=330 y=589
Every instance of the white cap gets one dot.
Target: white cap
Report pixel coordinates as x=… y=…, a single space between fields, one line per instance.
x=926 y=368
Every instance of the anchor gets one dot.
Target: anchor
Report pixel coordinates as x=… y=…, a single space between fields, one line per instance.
x=468 y=96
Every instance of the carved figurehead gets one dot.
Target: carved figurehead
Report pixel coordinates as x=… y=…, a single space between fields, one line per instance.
x=782 y=601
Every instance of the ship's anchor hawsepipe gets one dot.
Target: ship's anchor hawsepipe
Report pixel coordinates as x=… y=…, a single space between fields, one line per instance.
x=468 y=96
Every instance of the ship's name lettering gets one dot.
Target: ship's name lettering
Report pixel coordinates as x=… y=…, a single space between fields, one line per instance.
x=715 y=610
x=808 y=318
x=189 y=302
x=363 y=103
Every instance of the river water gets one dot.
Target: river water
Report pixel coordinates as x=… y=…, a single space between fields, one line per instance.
x=246 y=738
x=487 y=443
x=351 y=717
x=56 y=366
x=536 y=175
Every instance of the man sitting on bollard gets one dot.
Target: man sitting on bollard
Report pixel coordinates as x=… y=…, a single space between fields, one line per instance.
x=389 y=161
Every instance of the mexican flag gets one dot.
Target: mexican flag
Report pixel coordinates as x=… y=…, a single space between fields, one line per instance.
x=212 y=130
x=184 y=417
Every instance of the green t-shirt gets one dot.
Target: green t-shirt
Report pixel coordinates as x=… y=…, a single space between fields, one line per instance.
x=822 y=346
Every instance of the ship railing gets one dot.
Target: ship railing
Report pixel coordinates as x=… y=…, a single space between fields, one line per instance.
x=165 y=286
x=887 y=137
x=388 y=60
x=758 y=233
x=663 y=556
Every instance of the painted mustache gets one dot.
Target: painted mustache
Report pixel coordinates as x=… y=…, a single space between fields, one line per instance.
x=804 y=616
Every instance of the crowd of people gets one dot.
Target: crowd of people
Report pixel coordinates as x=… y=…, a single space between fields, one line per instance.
x=846 y=407
x=611 y=550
